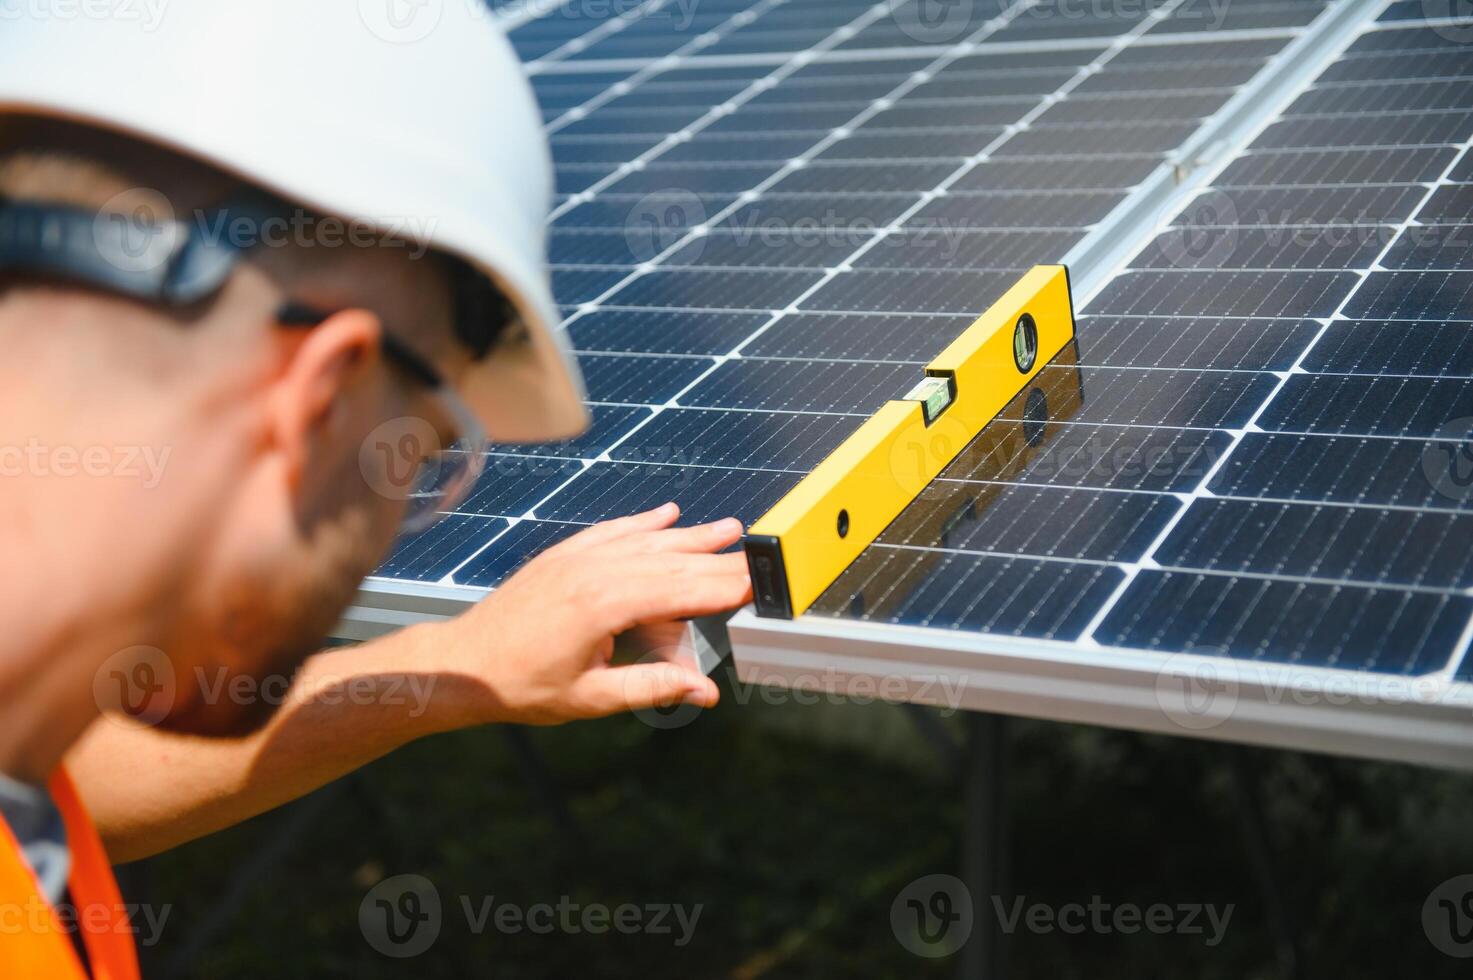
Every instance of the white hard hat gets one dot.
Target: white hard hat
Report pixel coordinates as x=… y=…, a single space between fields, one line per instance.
x=412 y=115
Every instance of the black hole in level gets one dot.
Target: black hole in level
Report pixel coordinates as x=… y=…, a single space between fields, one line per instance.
x=843 y=523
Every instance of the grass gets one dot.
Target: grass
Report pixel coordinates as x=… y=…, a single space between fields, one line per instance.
x=793 y=828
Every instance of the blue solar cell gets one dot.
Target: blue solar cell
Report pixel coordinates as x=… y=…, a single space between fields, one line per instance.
x=573 y=286
x=744 y=440
x=1305 y=624
x=1054 y=522
x=1371 y=129
x=1343 y=205
x=1368 y=406
x=773 y=246
x=909 y=291
x=812 y=212
x=1452 y=204
x=1414 y=296
x=931 y=245
x=609 y=423
x=512 y=484
x=608 y=490
x=703 y=181
x=1231 y=293
x=661 y=332
x=857 y=337
x=1344 y=469
x=1199 y=343
x=982 y=593
x=513 y=549
x=1393 y=347
x=1444 y=247
x=801 y=386
x=734 y=289
x=1372 y=165
x=1113 y=457
x=637 y=378
x=1019 y=209
x=432 y=554
x=1371 y=545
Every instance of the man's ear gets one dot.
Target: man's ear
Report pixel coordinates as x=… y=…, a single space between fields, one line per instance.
x=318 y=371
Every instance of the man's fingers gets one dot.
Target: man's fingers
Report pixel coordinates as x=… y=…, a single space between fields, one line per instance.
x=650 y=685
x=606 y=531
x=696 y=538
x=641 y=593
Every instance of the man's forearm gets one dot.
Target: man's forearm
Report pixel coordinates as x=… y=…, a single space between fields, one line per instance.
x=148 y=790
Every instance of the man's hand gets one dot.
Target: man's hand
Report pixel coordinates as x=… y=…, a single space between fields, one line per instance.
x=538 y=650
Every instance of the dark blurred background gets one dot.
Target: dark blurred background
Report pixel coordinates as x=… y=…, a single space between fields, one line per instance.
x=795 y=826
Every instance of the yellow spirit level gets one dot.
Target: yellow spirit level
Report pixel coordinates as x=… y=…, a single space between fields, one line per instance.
x=800 y=546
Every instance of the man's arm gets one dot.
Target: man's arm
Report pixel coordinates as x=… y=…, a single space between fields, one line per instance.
x=537 y=651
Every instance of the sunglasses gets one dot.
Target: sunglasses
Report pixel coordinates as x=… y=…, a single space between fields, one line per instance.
x=432 y=479
x=174 y=264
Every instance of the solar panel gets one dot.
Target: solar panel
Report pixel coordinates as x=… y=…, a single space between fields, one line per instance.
x=771 y=213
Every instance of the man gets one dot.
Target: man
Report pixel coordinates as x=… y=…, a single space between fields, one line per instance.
x=197 y=382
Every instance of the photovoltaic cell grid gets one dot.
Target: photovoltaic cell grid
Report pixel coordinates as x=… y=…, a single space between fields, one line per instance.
x=756 y=251
x=1272 y=453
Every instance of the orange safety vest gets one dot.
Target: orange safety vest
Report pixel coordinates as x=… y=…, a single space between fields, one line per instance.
x=33 y=943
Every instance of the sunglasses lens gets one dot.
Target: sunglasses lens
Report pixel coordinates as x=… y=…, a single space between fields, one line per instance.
x=442 y=484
